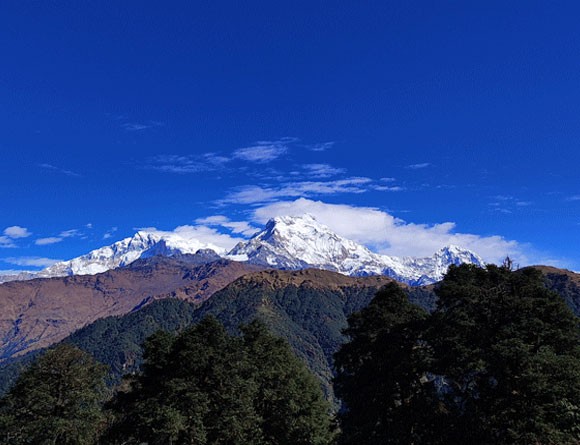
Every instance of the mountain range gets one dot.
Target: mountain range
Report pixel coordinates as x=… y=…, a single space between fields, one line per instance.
x=308 y=308
x=287 y=242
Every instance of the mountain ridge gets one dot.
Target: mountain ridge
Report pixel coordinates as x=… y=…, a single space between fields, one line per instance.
x=286 y=242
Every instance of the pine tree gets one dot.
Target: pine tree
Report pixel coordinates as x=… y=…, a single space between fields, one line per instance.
x=498 y=362
x=209 y=388
x=289 y=399
x=56 y=401
x=379 y=371
x=509 y=352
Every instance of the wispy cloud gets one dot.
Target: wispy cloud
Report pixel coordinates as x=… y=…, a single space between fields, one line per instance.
x=109 y=233
x=7 y=242
x=386 y=188
x=241 y=227
x=71 y=233
x=31 y=261
x=573 y=198
x=264 y=151
x=321 y=146
x=48 y=240
x=259 y=153
x=252 y=194
x=60 y=170
x=140 y=126
x=181 y=164
x=508 y=204
x=220 y=242
x=322 y=170
x=418 y=166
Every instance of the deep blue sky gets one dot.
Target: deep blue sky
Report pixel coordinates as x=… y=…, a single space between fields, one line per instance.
x=119 y=115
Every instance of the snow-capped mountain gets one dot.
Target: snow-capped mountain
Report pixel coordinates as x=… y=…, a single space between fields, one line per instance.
x=142 y=245
x=287 y=242
x=300 y=242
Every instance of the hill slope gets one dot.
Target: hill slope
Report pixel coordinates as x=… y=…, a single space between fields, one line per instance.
x=37 y=313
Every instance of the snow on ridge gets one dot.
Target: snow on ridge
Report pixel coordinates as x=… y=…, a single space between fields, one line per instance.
x=286 y=242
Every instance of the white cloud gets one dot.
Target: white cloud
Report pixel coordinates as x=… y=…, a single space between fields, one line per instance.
x=419 y=166
x=109 y=234
x=204 y=234
x=322 y=146
x=263 y=151
x=241 y=227
x=16 y=232
x=47 y=241
x=322 y=170
x=386 y=188
x=69 y=233
x=6 y=242
x=31 y=261
x=252 y=194
x=140 y=126
x=573 y=198
x=186 y=164
x=387 y=234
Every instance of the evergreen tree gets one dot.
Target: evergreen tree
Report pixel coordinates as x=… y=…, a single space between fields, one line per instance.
x=289 y=399
x=498 y=362
x=509 y=352
x=55 y=401
x=207 y=387
x=379 y=371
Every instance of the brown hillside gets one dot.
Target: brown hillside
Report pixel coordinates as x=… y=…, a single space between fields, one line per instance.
x=315 y=278
x=37 y=313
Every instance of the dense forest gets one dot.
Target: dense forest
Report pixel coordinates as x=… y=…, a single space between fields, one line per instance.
x=496 y=361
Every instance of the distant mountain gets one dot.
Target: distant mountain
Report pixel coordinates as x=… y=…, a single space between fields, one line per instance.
x=37 y=313
x=299 y=242
x=564 y=282
x=306 y=307
x=289 y=243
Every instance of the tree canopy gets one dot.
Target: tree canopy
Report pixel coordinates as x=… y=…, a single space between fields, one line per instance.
x=204 y=386
x=55 y=401
x=498 y=362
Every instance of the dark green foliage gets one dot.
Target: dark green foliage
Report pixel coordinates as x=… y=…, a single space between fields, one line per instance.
x=379 y=371
x=498 y=362
x=207 y=387
x=57 y=400
x=13 y=367
x=509 y=350
x=117 y=341
x=311 y=319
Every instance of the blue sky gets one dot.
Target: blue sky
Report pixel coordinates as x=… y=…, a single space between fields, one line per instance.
x=402 y=125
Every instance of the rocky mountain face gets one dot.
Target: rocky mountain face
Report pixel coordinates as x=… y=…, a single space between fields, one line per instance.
x=37 y=313
x=289 y=243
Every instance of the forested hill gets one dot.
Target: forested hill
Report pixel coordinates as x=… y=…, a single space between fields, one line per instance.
x=308 y=308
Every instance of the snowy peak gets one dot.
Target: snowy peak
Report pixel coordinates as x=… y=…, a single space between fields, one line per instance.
x=291 y=242
x=287 y=242
x=143 y=244
x=298 y=242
